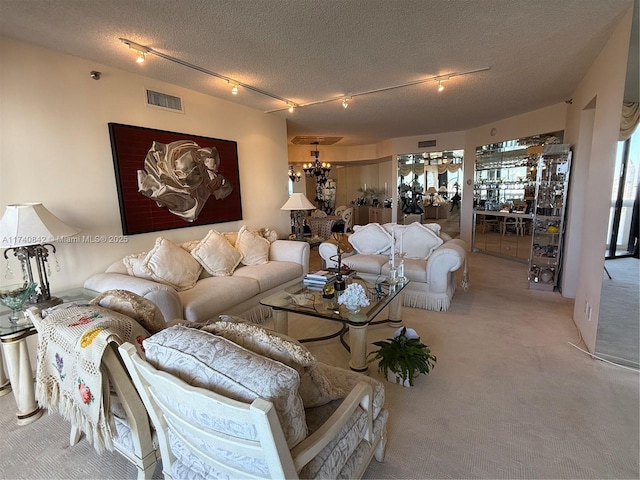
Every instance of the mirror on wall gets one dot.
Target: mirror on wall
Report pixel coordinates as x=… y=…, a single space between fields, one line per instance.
x=503 y=194
x=429 y=189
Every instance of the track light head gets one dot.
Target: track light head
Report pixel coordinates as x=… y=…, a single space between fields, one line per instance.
x=139 y=49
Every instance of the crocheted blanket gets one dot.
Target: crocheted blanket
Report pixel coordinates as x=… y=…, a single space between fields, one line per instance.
x=72 y=339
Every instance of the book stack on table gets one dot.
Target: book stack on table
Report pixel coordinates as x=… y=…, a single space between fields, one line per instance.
x=319 y=278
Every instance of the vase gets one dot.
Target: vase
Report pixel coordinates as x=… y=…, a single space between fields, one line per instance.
x=394 y=378
x=353 y=309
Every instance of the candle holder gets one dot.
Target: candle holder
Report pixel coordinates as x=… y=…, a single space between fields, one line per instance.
x=393 y=275
x=400 y=268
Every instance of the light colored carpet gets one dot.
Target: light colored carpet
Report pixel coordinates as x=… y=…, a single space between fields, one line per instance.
x=618 y=338
x=508 y=398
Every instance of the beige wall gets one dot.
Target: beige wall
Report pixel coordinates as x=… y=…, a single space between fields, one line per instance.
x=55 y=149
x=593 y=124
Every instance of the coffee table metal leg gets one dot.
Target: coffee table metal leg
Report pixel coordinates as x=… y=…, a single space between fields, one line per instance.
x=21 y=376
x=395 y=311
x=281 y=321
x=358 y=344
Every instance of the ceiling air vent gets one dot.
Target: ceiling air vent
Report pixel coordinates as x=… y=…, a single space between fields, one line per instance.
x=427 y=143
x=165 y=101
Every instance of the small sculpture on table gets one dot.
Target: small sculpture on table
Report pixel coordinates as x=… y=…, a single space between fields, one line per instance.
x=342 y=246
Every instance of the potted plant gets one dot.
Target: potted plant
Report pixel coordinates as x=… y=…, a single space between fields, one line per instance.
x=403 y=357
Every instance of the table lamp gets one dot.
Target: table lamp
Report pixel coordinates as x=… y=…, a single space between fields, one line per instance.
x=26 y=229
x=297 y=204
x=432 y=191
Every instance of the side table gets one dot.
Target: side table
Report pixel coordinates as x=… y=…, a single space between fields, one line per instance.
x=16 y=354
x=13 y=338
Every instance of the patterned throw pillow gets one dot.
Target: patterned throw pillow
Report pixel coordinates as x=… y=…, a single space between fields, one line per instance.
x=143 y=311
x=315 y=387
x=220 y=365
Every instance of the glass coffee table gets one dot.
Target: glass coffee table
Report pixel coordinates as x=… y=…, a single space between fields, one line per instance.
x=309 y=301
x=13 y=337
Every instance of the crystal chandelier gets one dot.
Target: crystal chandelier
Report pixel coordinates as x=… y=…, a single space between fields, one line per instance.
x=317 y=169
x=293 y=175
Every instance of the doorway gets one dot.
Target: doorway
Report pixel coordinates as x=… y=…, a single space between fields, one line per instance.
x=618 y=333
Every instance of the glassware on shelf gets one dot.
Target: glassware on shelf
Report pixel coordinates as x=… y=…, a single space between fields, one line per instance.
x=15 y=296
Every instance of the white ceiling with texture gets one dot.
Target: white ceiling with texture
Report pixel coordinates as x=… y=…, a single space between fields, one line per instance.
x=305 y=51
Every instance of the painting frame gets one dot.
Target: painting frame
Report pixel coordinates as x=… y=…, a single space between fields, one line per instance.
x=143 y=210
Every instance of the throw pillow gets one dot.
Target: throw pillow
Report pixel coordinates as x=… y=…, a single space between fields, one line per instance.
x=189 y=245
x=231 y=237
x=371 y=238
x=133 y=263
x=433 y=226
x=253 y=247
x=215 y=363
x=315 y=388
x=217 y=255
x=143 y=311
x=268 y=233
x=169 y=264
x=417 y=241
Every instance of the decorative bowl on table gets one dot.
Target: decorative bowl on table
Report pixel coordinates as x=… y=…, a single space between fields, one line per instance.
x=299 y=296
x=15 y=296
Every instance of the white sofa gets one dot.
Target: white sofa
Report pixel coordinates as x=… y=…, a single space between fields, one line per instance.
x=223 y=273
x=431 y=262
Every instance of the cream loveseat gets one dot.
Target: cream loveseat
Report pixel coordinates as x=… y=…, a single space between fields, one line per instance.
x=431 y=259
x=198 y=280
x=233 y=400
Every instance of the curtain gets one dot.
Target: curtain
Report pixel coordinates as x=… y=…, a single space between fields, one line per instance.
x=419 y=168
x=629 y=120
x=449 y=167
x=411 y=168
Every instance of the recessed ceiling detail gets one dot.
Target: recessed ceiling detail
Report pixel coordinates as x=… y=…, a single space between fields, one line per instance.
x=311 y=140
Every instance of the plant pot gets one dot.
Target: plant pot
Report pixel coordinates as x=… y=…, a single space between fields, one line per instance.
x=393 y=378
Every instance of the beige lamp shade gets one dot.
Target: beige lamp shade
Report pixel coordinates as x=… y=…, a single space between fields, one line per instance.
x=31 y=224
x=298 y=201
x=442 y=189
x=432 y=191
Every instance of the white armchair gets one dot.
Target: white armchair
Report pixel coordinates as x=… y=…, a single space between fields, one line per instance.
x=432 y=260
x=221 y=409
